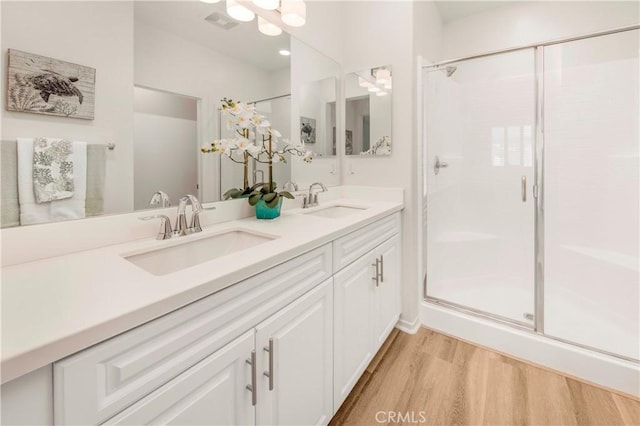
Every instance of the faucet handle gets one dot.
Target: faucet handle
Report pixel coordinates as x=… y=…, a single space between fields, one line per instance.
x=165 y=231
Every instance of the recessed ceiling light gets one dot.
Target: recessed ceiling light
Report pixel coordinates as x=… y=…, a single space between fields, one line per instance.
x=284 y=52
x=210 y=1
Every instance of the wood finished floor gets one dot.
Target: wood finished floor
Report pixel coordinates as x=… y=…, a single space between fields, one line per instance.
x=439 y=380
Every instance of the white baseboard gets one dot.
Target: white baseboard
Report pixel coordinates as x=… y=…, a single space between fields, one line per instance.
x=604 y=370
x=410 y=327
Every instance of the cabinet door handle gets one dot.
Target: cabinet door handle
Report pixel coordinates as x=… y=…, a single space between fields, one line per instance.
x=381 y=268
x=269 y=373
x=252 y=387
x=377 y=277
x=523 y=189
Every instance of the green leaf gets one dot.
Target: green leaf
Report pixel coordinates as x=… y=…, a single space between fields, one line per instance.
x=232 y=193
x=287 y=194
x=256 y=186
x=273 y=203
x=269 y=197
x=253 y=199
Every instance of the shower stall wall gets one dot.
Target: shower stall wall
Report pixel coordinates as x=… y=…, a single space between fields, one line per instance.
x=531 y=174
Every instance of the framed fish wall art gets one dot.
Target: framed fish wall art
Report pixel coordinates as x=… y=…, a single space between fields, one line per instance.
x=42 y=85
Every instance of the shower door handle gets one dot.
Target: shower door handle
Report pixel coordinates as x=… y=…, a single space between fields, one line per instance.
x=439 y=165
x=524 y=189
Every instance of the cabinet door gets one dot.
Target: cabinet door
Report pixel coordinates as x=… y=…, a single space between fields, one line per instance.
x=212 y=392
x=387 y=294
x=296 y=352
x=353 y=298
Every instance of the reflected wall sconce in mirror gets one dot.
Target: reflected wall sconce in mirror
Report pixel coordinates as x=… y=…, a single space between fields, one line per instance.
x=239 y=12
x=378 y=81
x=292 y=13
x=267 y=28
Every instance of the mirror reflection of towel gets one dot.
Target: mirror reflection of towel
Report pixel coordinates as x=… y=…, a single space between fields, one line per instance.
x=70 y=208
x=52 y=169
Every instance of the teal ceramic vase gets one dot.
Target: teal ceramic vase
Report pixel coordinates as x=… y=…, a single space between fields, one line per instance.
x=265 y=212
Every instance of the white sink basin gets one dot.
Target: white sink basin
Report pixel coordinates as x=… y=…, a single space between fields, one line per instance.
x=335 y=211
x=175 y=258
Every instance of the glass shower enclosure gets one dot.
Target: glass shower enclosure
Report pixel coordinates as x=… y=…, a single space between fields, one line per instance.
x=531 y=189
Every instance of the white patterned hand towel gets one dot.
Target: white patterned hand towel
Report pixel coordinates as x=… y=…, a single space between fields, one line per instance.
x=52 y=169
x=70 y=208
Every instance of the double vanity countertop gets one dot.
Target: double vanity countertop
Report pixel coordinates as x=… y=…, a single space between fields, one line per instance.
x=54 y=307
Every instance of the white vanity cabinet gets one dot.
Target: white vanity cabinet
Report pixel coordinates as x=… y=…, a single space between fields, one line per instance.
x=98 y=383
x=295 y=362
x=212 y=392
x=285 y=346
x=290 y=384
x=366 y=302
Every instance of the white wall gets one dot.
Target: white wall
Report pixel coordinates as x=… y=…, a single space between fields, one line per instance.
x=101 y=39
x=523 y=23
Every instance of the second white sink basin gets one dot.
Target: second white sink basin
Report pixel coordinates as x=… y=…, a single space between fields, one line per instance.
x=190 y=253
x=335 y=211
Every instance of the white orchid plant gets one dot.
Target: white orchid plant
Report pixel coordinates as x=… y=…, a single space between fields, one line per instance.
x=255 y=138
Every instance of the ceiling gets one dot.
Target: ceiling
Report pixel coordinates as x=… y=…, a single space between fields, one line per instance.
x=186 y=19
x=451 y=10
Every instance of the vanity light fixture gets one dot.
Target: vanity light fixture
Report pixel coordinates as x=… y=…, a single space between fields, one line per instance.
x=267 y=28
x=363 y=82
x=294 y=12
x=284 y=52
x=267 y=4
x=239 y=12
x=382 y=75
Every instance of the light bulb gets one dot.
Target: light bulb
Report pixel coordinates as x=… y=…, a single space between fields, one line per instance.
x=267 y=28
x=294 y=12
x=239 y=12
x=284 y=52
x=267 y=4
x=382 y=76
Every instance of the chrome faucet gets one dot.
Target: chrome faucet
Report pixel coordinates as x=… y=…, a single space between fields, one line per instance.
x=165 y=231
x=255 y=176
x=311 y=200
x=160 y=198
x=181 y=221
x=291 y=184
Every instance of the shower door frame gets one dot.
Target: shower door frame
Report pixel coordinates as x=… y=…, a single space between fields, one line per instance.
x=538 y=190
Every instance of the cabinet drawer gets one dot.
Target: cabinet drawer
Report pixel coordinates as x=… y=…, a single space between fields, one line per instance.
x=93 y=385
x=211 y=392
x=358 y=243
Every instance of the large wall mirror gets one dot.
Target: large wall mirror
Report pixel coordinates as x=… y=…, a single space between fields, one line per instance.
x=368 y=95
x=162 y=68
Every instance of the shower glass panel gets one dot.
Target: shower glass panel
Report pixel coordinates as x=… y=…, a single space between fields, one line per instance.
x=480 y=153
x=591 y=189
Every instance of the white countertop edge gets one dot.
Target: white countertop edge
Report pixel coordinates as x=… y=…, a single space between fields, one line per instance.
x=35 y=356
